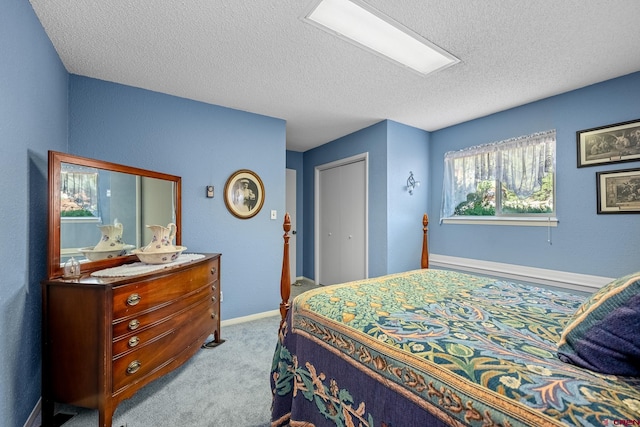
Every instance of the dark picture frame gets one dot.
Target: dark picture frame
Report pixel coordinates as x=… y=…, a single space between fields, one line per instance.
x=616 y=143
x=618 y=191
x=244 y=194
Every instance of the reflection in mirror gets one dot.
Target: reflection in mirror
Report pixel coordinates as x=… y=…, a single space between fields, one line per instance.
x=99 y=210
x=155 y=207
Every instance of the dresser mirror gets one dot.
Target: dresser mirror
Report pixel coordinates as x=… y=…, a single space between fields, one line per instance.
x=87 y=195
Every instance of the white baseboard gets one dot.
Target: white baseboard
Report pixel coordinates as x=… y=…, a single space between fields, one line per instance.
x=556 y=278
x=249 y=318
x=303 y=281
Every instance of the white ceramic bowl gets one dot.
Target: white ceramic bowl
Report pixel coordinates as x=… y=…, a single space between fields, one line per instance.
x=157 y=257
x=96 y=255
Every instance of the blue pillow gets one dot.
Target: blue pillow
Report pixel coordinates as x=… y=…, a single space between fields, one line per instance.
x=603 y=334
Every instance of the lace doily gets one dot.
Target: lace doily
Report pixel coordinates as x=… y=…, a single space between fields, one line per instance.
x=142 y=268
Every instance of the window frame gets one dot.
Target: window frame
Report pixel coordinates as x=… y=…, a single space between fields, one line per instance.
x=500 y=218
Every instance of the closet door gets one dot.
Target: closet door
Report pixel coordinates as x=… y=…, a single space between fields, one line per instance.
x=342 y=220
x=330 y=227
x=352 y=217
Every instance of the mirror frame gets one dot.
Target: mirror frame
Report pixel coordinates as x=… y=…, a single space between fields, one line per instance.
x=54 y=269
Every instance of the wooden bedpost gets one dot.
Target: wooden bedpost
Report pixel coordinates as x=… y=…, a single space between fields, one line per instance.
x=285 y=278
x=424 y=263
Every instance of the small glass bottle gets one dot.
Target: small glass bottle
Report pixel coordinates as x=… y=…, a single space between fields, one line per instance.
x=71 y=269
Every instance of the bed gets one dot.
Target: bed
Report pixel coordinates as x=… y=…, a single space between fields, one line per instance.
x=440 y=348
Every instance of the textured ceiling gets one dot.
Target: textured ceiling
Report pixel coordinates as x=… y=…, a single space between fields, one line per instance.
x=261 y=57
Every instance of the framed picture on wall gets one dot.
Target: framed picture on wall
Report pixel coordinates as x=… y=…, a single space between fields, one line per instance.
x=618 y=191
x=244 y=194
x=615 y=143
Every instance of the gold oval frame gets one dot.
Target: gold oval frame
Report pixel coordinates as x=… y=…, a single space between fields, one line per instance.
x=244 y=202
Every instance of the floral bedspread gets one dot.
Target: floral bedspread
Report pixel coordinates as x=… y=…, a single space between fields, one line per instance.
x=435 y=347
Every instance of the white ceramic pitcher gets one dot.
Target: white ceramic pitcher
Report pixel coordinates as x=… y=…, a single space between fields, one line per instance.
x=111 y=237
x=162 y=240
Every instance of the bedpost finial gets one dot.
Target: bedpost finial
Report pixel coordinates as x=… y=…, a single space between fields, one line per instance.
x=286 y=225
x=285 y=277
x=424 y=261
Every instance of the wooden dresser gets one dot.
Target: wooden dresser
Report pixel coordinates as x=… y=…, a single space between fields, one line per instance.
x=105 y=338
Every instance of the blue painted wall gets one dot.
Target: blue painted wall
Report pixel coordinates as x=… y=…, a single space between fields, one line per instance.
x=33 y=119
x=393 y=149
x=204 y=144
x=373 y=141
x=43 y=108
x=583 y=242
x=407 y=150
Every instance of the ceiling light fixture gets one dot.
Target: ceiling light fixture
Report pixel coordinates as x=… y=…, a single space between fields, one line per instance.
x=359 y=23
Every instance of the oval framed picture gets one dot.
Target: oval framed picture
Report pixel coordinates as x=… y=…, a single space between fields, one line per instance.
x=244 y=194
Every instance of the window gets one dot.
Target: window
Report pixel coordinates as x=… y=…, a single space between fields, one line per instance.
x=78 y=193
x=523 y=169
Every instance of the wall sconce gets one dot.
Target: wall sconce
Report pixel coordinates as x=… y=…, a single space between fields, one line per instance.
x=412 y=183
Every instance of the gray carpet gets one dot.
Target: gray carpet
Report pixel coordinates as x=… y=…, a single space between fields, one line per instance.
x=301 y=286
x=226 y=386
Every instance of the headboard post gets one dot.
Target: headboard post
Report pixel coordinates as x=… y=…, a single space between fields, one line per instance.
x=285 y=278
x=424 y=262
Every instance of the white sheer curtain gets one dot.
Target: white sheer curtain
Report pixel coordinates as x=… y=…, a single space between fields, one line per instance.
x=517 y=165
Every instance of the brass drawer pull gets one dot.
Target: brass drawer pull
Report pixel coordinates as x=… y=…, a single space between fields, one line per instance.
x=133 y=367
x=214 y=270
x=133 y=325
x=134 y=341
x=133 y=299
x=213 y=299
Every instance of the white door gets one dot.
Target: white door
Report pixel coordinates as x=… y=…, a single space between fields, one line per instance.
x=291 y=209
x=353 y=215
x=330 y=226
x=342 y=222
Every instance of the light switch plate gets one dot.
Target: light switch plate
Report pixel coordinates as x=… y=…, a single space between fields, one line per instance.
x=274 y=214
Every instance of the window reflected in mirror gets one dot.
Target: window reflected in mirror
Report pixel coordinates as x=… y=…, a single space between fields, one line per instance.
x=79 y=193
x=93 y=198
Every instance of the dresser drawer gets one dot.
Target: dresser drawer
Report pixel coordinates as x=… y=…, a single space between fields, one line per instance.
x=138 y=322
x=131 y=367
x=140 y=296
x=158 y=322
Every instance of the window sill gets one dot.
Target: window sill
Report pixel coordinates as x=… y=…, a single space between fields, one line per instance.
x=81 y=220
x=492 y=220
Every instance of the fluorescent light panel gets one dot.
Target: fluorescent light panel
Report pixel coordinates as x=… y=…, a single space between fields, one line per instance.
x=371 y=29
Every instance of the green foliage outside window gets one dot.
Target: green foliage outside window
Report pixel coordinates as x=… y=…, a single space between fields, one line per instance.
x=483 y=201
x=76 y=213
x=480 y=203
